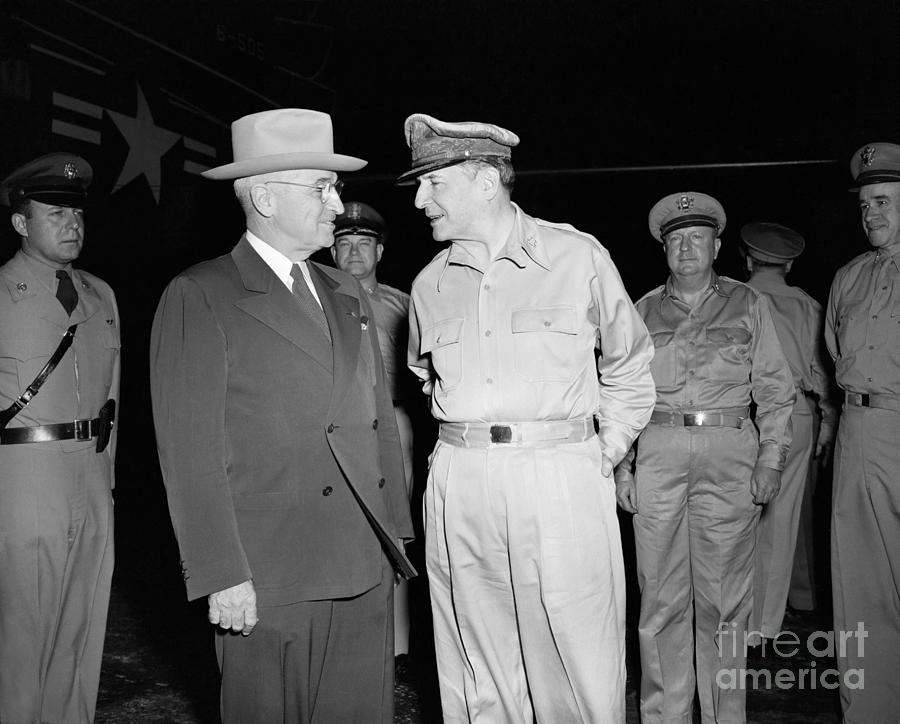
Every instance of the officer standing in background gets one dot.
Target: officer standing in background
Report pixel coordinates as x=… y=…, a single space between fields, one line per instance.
x=522 y=541
x=862 y=331
x=770 y=250
x=702 y=469
x=359 y=236
x=56 y=456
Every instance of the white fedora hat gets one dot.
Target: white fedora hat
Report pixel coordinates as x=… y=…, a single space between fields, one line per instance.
x=283 y=140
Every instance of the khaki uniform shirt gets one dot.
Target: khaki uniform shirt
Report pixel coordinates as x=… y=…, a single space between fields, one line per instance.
x=514 y=339
x=799 y=320
x=391 y=308
x=721 y=354
x=32 y=324
x=862 y=323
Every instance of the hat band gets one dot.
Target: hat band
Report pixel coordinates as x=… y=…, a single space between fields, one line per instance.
x=358 y=230
x=683 y=222
x=880 y=176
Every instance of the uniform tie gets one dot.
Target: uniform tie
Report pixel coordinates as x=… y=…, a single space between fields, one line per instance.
x=65 y=291
x=301 y=290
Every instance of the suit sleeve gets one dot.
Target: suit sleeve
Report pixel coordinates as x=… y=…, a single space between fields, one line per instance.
x=188 y=382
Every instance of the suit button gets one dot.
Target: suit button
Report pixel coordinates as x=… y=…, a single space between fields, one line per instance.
x=381 y=483
x=327 y=490
x=330 y=428
x=374 y=424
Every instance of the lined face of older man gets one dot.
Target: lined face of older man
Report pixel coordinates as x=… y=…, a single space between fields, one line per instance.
x=452 y=199
x=879 y=209
x=691 y=250
x=301 y=206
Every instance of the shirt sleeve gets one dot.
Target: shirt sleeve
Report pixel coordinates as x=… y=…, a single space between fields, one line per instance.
x=772 y=387
x=419 y=363
x=627 y=392
x=821 y=379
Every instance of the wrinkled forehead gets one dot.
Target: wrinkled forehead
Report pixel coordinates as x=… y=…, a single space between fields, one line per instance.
x=890 y=190
x=708 y=232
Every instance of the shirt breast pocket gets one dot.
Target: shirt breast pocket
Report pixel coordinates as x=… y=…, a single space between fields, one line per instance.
x=729 y=353
x=851 y=327
x=443 y=341
x=545 y=343
x=664 y=366
x=21 y=359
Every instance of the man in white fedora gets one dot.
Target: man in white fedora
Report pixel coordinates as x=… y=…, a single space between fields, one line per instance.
x=278 y=444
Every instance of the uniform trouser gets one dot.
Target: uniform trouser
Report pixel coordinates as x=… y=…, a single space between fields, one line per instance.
x=865 y=562
x=776 y=534
x=401 y=592
x=802 y=593
x=695 y=533
x=56 y=562
x=313 y=662
x=525 y=566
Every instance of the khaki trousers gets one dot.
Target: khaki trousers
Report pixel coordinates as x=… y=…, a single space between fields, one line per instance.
x=779 y=522
x=56 y=563
x=527 y=585
x=695 y=534
x=865 y=561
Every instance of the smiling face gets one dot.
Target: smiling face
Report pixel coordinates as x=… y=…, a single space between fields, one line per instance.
x=357 y=254
x=879 y=209
x=302 y=218
x=452 y=202
x=692 y=250
x=52 y=234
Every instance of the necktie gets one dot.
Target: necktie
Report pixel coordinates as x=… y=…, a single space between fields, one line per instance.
x=301 y=290
x=65 y=291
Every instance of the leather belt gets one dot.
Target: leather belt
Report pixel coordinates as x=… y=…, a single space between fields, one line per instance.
x=541 y=433
x=714 y=418
x=75 y=430
x=883 y=402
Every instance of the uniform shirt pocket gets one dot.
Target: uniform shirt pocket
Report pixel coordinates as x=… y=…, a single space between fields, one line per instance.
x=729 y=353
x=21 y=359
x=443 y=341
x=545 y=343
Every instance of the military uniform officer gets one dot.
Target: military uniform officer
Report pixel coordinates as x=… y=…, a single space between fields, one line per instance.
x=862 y=331
x=522 y=541
x=359 y=236
x=770 y=250
x=702 y=468
x=56 y=524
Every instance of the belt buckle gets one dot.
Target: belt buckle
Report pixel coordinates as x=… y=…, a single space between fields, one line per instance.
x=501 y=433
x=82 y=429
x=864 y=399
x=695 y=419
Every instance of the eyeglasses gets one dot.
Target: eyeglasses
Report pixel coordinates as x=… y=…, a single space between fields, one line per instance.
x=324 y=187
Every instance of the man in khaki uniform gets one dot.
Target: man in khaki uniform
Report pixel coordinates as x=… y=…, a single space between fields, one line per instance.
x=522 y=542
x=862 y=331
x=770 y=250
x=702 y=468
x=359 y=236
x=56 y=522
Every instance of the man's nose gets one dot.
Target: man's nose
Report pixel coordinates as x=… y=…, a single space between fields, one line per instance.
x=421 y=197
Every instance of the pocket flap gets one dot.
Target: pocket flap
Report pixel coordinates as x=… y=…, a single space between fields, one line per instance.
x=24 y=348
x=662 y=339
x=728 y=335
x=446 y=332
x=545 y=319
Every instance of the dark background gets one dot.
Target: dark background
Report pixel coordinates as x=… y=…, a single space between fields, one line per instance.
x=612 y=100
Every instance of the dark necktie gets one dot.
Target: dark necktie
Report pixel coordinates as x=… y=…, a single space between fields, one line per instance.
x=301 y=290
x=65 y=291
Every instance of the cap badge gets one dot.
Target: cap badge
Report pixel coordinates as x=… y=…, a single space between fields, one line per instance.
x=685 y=203
x=70 y=170
x=867 y=155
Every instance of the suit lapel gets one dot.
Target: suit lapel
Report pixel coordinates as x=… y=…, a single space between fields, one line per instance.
x=271 y=303
x=341 y=307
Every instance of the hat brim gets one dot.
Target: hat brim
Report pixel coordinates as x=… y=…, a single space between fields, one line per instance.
x=407 y=178
x=284 y=162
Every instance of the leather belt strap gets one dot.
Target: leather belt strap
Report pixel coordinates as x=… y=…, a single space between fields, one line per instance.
x=733 y=417
x=883 y=402
x=75 y=430
x=540 y=433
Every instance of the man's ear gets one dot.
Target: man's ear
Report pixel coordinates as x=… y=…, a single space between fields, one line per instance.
x=379 y=250
x=263 y=200
x=788 y=265
x=748 y=262
x=18 y=222
x=490 y=181
x=718 y=245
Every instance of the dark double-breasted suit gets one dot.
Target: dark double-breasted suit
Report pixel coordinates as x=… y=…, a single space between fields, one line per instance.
x=281 y=457
x=274 y=443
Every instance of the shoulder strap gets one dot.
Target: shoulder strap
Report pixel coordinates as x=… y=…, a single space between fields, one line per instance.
x=16 y=407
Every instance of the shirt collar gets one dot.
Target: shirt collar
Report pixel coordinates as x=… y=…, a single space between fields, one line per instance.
x=522 y=244
x=45 y=273
x=275 y=260
x=715 y=285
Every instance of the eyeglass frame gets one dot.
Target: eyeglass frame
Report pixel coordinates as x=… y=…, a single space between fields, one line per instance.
x=324 y=187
